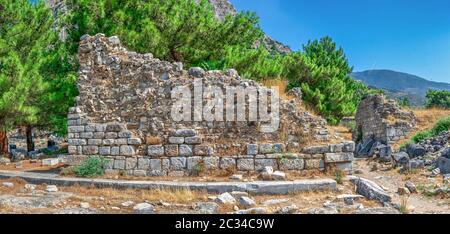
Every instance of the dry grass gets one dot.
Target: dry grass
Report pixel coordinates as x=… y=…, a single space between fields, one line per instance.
x=111 y=194
x=281 y=84
x=426 y=119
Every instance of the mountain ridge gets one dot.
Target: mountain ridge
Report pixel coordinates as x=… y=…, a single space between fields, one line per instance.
x=400 y=84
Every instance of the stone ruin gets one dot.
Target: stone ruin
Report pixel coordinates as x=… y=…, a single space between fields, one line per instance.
x=123 y=113
x=380 y=123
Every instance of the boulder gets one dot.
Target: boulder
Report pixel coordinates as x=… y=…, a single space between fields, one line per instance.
x=363 y=149
x=444 y=165
x=401 y=159
x=411 y=187
x=415 y=151
x=446 y=153
x=416 y=164
x=370 y=189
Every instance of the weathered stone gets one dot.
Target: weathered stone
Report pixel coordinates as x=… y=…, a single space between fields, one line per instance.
x=119 y=164
x=193 y=163
x=200 y=150
x=90 y=150
x=143 y=208
x=193 y=140
x=185 y=150
x=73 y=129
x=94 y=142
x=246 y=201
x=411 y=187
x=115 y=150
x=225 y=198
x=50 y=162
x=211 y=163
x=87 y=135
x=415 y=151
x=370 y=190
x=403 y=191
x=291 y=164
x=313 y=163
x=227 y=163
x=207 y=207
x=185 y=133
x=196 y=72
x=130 y=163
x=124 y=134
x=134 y=141
x=245 y=164
x=237 y=177
x=143 y=163
x=76 y=142
x=8 y=184
x=261 y=163
x=278 y=175
x=127 y=150
x=155 y=150
x=256 y=210
x=252 y=149
x=338 y=157
x=171 y=150
x=51 y=188
x=176 y=140
x=443 y=165
x=114 y=128
x=316 y=149
x=177 y=163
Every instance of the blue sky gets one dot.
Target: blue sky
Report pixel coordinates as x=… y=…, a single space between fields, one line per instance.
x=410 y=36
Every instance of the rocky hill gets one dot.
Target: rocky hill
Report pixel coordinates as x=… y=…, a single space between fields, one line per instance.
x=224 y=7
x=398 y=84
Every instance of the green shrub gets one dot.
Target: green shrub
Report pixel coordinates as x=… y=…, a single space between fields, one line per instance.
x=91 y=167
x=338 y=176
x=441 y=126
x=420 y=136
x=438 y=98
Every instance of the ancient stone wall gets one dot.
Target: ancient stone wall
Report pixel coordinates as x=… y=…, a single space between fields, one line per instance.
x=382 y=120
x=123 y=113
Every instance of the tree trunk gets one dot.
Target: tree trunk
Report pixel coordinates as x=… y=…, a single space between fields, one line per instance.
x=30 y=143
x=3 y=143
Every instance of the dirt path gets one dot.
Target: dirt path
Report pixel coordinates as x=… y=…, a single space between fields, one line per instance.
x=390 y=180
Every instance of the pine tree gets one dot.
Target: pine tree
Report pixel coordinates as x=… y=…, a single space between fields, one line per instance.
x=173 y=30
x=28 y=41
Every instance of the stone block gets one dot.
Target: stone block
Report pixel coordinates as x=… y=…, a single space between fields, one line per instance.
x=185 y=150
x=246 y=164
x=134 y=141
x=176 y=140
x=94 y=141
x=192 y=162
x=87 y=135
x=193 y=140
x=291 y=164
x=211 y=163
x=260 y=164
x=227 y=163
x=127 y=150
x=119 y=164
x=143 y=163
x=252 y=149
x=185 y=133
x=124 y=134
x=201 y=150
x=73 y=129
x=338 y=157
x=171 y=150
x=155 y=150
x=131 y=163
x=177 y=163
x=115 y=150
x=90 y=150
x=104 y=150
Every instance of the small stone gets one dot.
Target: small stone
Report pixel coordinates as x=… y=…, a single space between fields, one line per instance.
x=239 y=194
x=127 y=203
x=196 y=72
x=272 y=202
x=207 y=207
x=236 y=177
x=403 y=191
x=85 y=205
x=256 y=210
x=143 y=208
x=30 y=187
x=51 y=188
x=288 y=209
x=278 y=175
x=225 y=198
x=8 y=184
x=411 y=187
x=246 y=202
x=50 y=162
